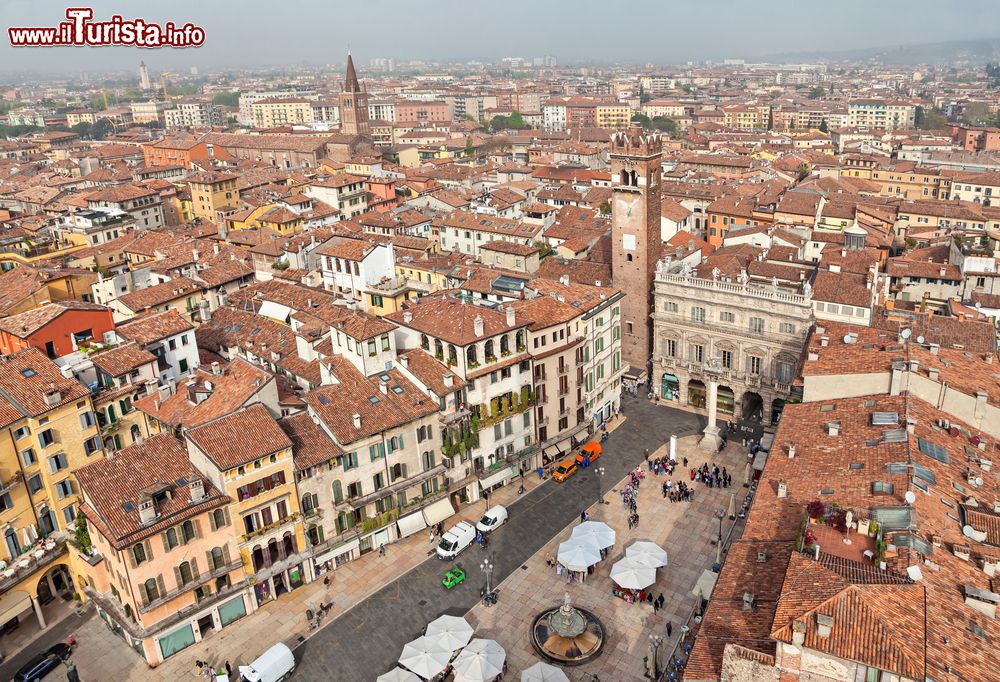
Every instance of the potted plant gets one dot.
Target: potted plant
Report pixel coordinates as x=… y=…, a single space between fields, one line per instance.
x=816 y=511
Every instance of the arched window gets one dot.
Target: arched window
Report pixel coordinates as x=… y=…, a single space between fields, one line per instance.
x=218 y=558
x=136 y=433
x=470 y=355
x=504 y=344
x=219 y=516
x=171 y=538
x=438 y=349
x=139 y=554
x=452 y=354
x=187 y=531
x=308 y=503
x=184 y=573
x=13 y=546
x=152 y=593
x=425 y=342
x=488 y=349
x=338 y=492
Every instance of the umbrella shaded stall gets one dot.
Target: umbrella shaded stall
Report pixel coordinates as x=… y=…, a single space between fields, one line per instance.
x=633 y=574
x=649 y=552
x=602 y=534
x=480 y=661
x=543 y=672
x=578 y=554
x=452 y=632
x=425 y=656
x=398 y=675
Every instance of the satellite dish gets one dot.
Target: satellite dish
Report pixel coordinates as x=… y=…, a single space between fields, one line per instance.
x=910 y=497
x=979 y=481
x=978 y=305
x=848 y=339
x=920 y=339
x=906 y=333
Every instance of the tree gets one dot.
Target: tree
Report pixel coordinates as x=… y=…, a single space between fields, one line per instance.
x=81 y=534
x=665 y=124
x=469 y=149
x=513 y=122
x=641 y=119
x=226 y=99
x=823 y=127
x=544 y=248
x=816 y=92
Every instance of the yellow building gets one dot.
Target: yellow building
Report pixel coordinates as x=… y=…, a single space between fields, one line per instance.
x=274 y=113
x=212 y=191
x=613 y=115
x=273 y=216
x=259 y=474
x=49 y=431
x=163 y=568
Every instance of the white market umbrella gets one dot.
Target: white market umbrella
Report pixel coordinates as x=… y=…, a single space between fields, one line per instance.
x=425 y=656
x=578 y=554
x=480 y=661
x=453 y=632
x=398 y=675
x=602 y=534
x=632 y=574
x=647 y=551
x=543 y=672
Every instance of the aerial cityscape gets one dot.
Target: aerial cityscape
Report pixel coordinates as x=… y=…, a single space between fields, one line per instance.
x=538 y=342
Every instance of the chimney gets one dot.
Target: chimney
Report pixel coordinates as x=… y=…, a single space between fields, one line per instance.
x=204 y=311
x=404 y=361
x=934 y=348
x=748 y=600
x=477 y=326
x=782 y=488
x=383 y=386
x=215 y=248
x=449 y=380
x=147 y=511
x=932 y=373
x=941 y=272
x=194 y=255
x=798 y=632
x=824 y=341
x=197 y=488
x=52 y=395
x=357 y=420
x=511 y=317
x=823 y=625
x=216 y=368
x=791 y=451
x=833 y=428
x=988 y=358
x=407 y=317
x=564 y=279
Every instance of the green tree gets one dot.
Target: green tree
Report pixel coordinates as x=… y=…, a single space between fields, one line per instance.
x=226 y=99
x=823 y=127
x=665 y=124
x=470 y=151
x=641 y=119
x=81 y=534
x=544 y=248
x=816 y=93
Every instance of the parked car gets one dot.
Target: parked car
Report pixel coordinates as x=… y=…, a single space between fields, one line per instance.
x=566 y=468
x=42 y=664
x=460 y=536
x=591 y=450
x=277 y=663
x=492 y=519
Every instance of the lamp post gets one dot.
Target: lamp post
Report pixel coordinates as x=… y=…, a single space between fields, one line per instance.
x=487 y=568
x=600 y=485
x=655 y=642
x=718 y=549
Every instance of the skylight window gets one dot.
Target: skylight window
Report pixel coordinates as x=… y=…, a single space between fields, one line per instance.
x=373 y=400
x=933 y=450
x=27 y=372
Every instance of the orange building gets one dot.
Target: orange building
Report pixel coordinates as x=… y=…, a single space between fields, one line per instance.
x=381 y=194
x=57 y=328
x=182 y=151
x=724 y=214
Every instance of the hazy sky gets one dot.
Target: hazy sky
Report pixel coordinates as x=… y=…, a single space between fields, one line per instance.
x=659 y=31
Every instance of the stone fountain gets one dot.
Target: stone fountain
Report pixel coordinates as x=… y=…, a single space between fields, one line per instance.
x=567 y=635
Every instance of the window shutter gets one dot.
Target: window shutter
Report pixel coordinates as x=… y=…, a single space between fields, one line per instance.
x=177 y=576
x=144 y=595
x=211 y=520
x=131 y=557
x=225 y=513
x=225 y=554
x=166 y=545
x=149 y=550
x=401 y=442
x=404 y=471
x=371 y=453
x=208 y=559
x=160 y=587
x=197 y=529
x=194 y=569
x=281 y=477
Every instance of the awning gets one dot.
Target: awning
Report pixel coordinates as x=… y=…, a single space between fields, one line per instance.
x=565 y=445
x=408 y=525
x=497 y=478
x=275 y=311
x=705 y=584
x=438 y=512
x=13 y=603
x=351 y=546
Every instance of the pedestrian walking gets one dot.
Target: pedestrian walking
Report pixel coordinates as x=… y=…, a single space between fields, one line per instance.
x=229 y=670
x=670 y=629
x=660 y=600
x=430 y=536
x=583 y=515
x=381 y=550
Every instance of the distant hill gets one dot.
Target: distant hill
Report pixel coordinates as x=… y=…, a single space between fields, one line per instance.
x=950 y=52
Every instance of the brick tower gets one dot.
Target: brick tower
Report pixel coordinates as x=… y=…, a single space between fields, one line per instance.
x=635 y=236
x=353 y=104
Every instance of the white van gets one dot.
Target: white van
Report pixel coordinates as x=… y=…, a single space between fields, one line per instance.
x=277 y=663
x=460 y=536
x=492 y=519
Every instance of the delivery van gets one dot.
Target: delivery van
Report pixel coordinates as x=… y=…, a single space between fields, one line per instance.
x=458 y=537
x=277 y=663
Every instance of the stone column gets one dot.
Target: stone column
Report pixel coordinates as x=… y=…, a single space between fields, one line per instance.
x=38 y=613
x=673 y=448
x=710 y=441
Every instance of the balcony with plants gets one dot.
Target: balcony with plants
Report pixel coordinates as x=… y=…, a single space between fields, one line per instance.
x=505 y=406
x=460 y=439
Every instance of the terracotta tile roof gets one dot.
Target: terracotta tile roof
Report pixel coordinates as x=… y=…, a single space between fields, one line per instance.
x=465 y=220
x=114 y=488
x=232 y=389
x=122 y=359
x=430 y=371
x=348 y=249
x=224 y=273
x=846 y=288
x=146 y=329
x=27 y=323
x=501 y=246
x=225 y=439
x=121 y=193
x=159 y=294
x=25 y=377
x=260 y=335
x=310 y=444
x=578 y=271
x=453 y=320
x=355 y=393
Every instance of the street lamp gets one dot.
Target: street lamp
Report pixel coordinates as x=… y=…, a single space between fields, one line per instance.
x=718 y=550
x=655 y=642
x=600 y=485
x=487 y=568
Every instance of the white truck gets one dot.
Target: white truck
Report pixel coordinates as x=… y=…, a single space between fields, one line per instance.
x=275 y=664
x=458 y=537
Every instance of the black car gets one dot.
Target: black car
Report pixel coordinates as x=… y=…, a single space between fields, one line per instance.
x=42 y=664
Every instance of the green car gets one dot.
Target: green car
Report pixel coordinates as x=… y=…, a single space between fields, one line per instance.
x=453 y=577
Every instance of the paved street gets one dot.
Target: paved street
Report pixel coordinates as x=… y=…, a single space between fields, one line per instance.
x=367 y=640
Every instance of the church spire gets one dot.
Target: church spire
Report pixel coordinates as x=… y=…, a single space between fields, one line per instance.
x=351 y=82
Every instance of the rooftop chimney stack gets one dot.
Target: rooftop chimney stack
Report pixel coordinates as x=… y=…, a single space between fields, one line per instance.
x=477 y=326
x=823 y=625
x=197 y=487
x=511 y=317
x=357 y=420
x=147 y=511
